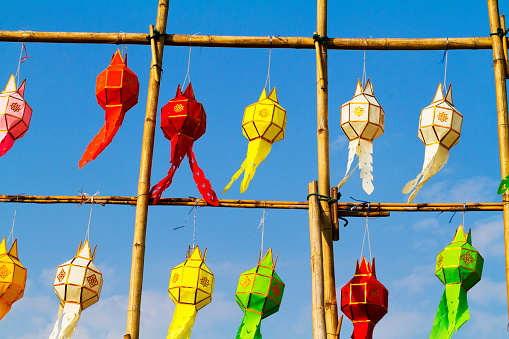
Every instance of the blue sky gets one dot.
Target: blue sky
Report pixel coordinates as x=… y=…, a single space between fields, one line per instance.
x=61 y=90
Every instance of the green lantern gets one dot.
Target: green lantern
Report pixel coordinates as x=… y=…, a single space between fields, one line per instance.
x=459 y=268
x=259 y=294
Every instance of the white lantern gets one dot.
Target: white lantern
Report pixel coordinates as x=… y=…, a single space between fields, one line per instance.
x=362 y=120
x=78 y=284
x=439 y=130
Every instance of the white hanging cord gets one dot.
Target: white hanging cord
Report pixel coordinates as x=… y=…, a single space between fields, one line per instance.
x=364 y=75
x=445 y=72
x=268 y=72
x=20 y=62
x=194 y=227
x=11 y=235
x=463 y=214
x=263 y=226
x=91 y=199
x=366 y=230
x=123 y=45
x=188 y=64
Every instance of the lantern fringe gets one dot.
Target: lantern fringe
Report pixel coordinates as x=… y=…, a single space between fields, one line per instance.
x=183 y=320
x=70 y=314
x=363 y=149
x=435 y=158
x=250 y=326
x=452 y=312
x=257 y=151
x=6 y=144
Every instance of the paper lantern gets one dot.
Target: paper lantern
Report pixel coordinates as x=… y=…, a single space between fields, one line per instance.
x=77 y=284
x=191 y=287
x=15 y=115
x=264 y=123
x=459 y=268
x=362 y=121
x=116 y=90
x=13 y=277
x=364 y=300
x=439 y=130
x=259 y=294
x=183 y=121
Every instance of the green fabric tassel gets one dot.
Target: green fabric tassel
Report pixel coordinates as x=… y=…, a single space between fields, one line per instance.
x=250 y=327
x=452 y=312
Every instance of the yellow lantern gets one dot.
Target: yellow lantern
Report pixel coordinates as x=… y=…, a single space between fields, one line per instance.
x=77 y=284
x=191 y=286
x=439 y=129
x=13 y=277
x=264 y=123
x=362 y=121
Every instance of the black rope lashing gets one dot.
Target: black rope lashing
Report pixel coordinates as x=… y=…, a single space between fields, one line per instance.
x=320 y=39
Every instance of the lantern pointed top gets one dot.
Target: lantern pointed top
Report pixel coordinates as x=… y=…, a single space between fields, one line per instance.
x=84 y=251
x=358 y=89
x=189 y=91
x=263 y=95
x=21 y=89
x=448 y=96
x=368 y=88
x=11 y=85
x=439 y=94
x=268 y=260
x=273 y=95
x=117 y=60
x=3 y=248
x=14 y=249
x=365 y=268
x=196 y=254
x=179 y=91
x=460 y=235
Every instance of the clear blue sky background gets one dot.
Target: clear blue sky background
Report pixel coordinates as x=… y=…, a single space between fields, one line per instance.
x=61 y=90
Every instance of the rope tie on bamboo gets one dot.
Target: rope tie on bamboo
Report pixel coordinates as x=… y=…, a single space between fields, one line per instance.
x=156 y=35
x=320 y=39
x=326 y=198
x=268 y=71
x=91 y=199
x=23 y=39
x=11 y=235
x=189 y=63
x=500 y=32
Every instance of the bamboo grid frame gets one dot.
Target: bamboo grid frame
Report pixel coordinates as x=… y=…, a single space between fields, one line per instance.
x=325 y=316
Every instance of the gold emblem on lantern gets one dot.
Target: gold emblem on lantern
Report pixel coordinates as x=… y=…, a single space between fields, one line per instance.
x=358 y=111
x=178 y=108
x=245 y=283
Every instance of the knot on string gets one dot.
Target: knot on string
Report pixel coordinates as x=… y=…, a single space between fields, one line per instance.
x=362 y=202
x=326 y=198
x=156 y=35
x=86 y=195
x=500 y=32
x=320 y=39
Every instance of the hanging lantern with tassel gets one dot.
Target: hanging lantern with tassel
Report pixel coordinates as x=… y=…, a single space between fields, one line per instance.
x=117 y=90
x=362 y=121
x=77 y=284
x=364 y=300
x=13 y=277
x=191 y=287
x=439 y=130
x=264 y=124
x=259 y=294
x=459 y=267
x=15 y=115
x=183 y=121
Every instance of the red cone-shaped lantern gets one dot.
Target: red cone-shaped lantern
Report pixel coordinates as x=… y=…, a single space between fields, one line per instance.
x=183 y=121
x=364 y=300
x=117 y=90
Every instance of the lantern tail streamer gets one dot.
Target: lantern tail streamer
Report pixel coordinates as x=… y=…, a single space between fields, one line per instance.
x=202 y=183
x=452 y=312
x=353 y=147
x=363 y=330
x=6 y=144
x=179 y=148
x=435 y=158
x=183 y=320
x=363 y=149
x=250 y=326
x=257 y=151
x=114 y=118
x=70 y=314
x=4 y=309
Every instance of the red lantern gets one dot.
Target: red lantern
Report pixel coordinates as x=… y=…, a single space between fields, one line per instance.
x=364 y=300
x=183 y=121
x=117 y=90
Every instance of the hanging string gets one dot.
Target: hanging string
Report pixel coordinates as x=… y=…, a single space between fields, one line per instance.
x=194 y=227
x=463 y=215
x=366 y=230
x=91 y=199
x=22 y=59
x=188 y=63
x=123 y=45
x=11 y=235
x=268 y=72
x=444 y=58
x=363 y=80
x=261 y=224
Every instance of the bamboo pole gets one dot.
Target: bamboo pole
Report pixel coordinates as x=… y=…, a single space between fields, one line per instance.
x=499 y=65
x=140 y=226
x=504 y=44
x=330 y=303
x=315 y=239
x=248 y=41
x=343 y=207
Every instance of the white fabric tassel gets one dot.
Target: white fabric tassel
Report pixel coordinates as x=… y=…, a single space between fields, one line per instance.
x=363 y=149
x=70 y=315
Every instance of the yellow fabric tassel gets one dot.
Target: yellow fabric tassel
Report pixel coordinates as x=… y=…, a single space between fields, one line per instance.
x=257 y=151
x=183 y=320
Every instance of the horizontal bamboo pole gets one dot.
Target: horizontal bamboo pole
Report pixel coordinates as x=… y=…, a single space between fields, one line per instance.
x=343 y=207
x=249 y=41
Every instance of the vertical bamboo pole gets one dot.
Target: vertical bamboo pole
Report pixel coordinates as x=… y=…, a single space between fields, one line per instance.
x=140 y=226
x=315 y=239
x=330 y=304
x=504 y=44
x=499 y=65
